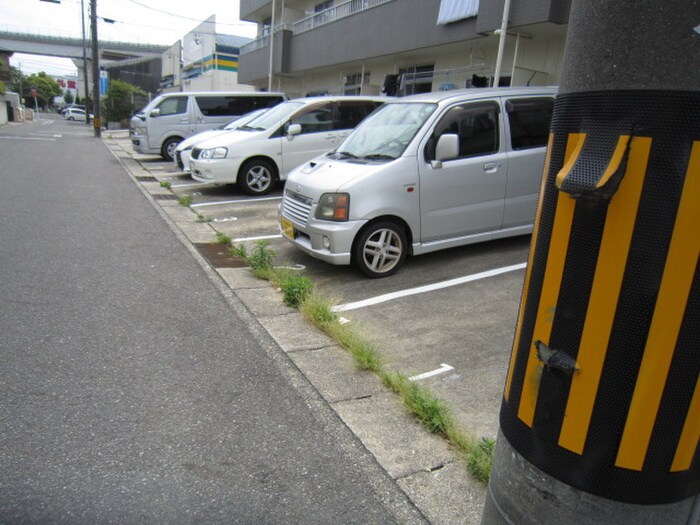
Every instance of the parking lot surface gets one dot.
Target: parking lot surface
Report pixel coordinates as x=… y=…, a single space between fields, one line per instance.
x=445 y=319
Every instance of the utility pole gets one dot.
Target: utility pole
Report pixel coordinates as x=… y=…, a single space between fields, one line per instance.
x=85 y=69
x=97 y=120
x=600 y=418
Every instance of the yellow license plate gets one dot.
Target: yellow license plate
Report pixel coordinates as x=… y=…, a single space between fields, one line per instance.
x=287 y=228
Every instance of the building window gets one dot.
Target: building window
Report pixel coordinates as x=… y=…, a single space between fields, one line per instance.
x=416 y=79
x=353 y=83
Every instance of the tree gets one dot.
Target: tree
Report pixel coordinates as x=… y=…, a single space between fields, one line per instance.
x=45 y=86
x=68 y=96
x=118 y=104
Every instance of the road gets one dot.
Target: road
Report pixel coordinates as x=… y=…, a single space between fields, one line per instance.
x=132 y=389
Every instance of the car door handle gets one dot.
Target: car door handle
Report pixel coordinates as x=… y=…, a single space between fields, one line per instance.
x=491 y=167
x=184 y=120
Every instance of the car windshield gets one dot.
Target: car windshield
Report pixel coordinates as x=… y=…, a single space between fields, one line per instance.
x=386 y=133
x=244 y=119
x=272 y=117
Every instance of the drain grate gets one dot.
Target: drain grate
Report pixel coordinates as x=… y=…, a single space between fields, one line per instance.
x=165 y=197
x=146 y=178
x=217 y=255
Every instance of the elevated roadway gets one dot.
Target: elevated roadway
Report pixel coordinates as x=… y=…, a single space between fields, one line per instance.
x=14 y=40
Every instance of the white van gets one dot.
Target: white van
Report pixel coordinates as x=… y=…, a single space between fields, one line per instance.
x=166 y=120
x=257 y=155
x=423 y=173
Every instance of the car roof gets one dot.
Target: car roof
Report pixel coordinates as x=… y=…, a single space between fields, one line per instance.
x=327 y=98
x=224 y=93
x=475 y=93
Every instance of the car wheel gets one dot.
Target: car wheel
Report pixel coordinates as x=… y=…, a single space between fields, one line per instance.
x=167 y=151
x=380 y=249
x=257 y=177
x=71 y=118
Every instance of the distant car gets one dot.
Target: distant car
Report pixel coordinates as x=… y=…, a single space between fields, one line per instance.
x=66 y=108
x=184 y=148
x=75 y=114
x=261 y=153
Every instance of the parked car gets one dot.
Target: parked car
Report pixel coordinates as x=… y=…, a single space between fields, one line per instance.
x=73 y=113
x=262 y=152
x=423 y=173
x=168 y=119
x=184 y=148
x=66 y=108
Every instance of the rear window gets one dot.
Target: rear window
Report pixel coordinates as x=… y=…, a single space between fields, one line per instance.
x=221 y=105
x=529 y=120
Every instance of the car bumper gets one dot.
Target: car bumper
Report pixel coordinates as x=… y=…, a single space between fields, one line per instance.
x=182 y=160
x=328 y=241
x=220 y=171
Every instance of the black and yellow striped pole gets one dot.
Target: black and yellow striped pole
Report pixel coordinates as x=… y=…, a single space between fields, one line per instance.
x=600 y=419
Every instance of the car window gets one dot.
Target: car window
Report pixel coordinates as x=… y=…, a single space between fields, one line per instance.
x=348 y=114
x=476 y=125
x=529 y=121
x=314 y=119
x=173 y=106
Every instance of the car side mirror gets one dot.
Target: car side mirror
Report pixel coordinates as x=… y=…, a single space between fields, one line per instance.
x=447 y=147
x=292 y=130
x=155 y=113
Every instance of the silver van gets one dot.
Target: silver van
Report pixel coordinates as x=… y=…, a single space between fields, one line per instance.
x=423 y=173
x=166 y=120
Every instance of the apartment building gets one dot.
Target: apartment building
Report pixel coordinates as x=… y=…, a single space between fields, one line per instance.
x=400 y=46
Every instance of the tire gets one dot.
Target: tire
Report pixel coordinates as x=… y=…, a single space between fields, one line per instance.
x=167 y=150
x=257 y=177
x=381 y=249
x=71 y=118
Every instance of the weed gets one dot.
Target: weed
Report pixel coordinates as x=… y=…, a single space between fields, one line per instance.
x=222 y=238
x=261 y=257
x=239 y=251
x=202 y=218
x=185 y=200
x=165 y=184
x=296 y=289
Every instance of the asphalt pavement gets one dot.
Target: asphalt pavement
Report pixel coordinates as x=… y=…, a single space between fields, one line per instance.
x=137 y=387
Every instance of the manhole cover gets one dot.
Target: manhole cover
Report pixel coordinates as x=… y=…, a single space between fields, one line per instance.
x=217 y=255
x=144 y=178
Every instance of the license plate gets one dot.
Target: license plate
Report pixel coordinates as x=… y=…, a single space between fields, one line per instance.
x=287 y=228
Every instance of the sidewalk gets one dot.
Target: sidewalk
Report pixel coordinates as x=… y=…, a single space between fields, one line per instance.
x=424 y=465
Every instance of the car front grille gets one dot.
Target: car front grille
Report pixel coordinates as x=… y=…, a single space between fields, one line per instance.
x=195 y=153
x=296 y=207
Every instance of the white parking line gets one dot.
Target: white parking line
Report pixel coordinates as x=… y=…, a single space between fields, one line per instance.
x=443 y=368
x=427 y=288
x=187 y=185
x=236 y=201
x=258 y=238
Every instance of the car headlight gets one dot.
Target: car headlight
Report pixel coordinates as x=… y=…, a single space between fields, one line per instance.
x=333 y=207
x=214 y=153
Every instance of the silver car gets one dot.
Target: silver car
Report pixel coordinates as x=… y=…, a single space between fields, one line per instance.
x=423 y=173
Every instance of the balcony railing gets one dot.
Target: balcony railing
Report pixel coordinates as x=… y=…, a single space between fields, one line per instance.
x=345 y=9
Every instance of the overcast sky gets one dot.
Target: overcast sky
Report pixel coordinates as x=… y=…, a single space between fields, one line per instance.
x=148 y=21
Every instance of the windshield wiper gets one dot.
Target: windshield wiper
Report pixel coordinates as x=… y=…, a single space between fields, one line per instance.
x=250 y=128
x=344 y=155
x=379 y=156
